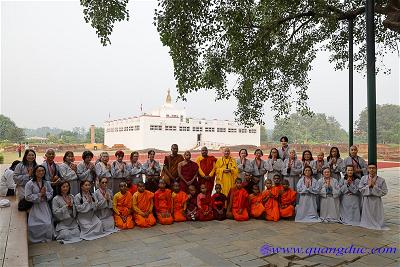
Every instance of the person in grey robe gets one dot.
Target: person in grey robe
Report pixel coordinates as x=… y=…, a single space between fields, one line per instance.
x=245 y=169
x=308 y=189
x=317 y=165
x=372 y=188
x=52 y=170
x=335 y=163
x=260 y=168
x=134 y=169
x=275 y=164
x=23 y=172
x=39 y=192
x=103 y=168
x=151 y=169
x=104 y=201
x=68 y=171
x=118 y=171
x=64 y=211
x=284 y=149
x=330 y=201
x=292 y=169
x=350 y=212
x=85 y=169
x=360 y=166
x=7 y=185
x=90 y=225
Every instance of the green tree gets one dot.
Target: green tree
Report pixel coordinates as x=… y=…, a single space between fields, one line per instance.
x=266 y=46
x=263 y=135
x=9 y=131
x=387 y=124
x=98 y=135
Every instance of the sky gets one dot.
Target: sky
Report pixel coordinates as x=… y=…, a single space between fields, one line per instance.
x=55 y=72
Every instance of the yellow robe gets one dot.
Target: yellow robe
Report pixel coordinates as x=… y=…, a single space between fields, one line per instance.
x=227 y=180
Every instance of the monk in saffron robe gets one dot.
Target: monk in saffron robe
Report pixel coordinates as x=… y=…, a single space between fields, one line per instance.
x=163 y=204
x=192 y=213
x=132 y=188
x=187 y=172
x=287 y=201
x=256 y=203
x=204 y=204
x=226 y=171
x=270 y=198
x=179 y=199
x=142 y=204
x=170 y=168
x=238 y=202
x=122 y=206
x=219 y=204
x=206 y=165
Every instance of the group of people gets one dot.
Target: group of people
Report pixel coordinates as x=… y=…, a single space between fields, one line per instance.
x=90 y=200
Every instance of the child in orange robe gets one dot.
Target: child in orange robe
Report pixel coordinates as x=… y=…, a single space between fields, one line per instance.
x=287 y=201
x=204 y=204
x=142 y=204
x=122 y=206
x=238 y=202
x=163 y=204
x=256 y=203
x=219 y=204
x=270 y=198
x=179 y=199
x=192 y=213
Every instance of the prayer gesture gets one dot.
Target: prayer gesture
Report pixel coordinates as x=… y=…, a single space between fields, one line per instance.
x=54 y=179
x=107 y=196
x=68 y=202
x=73 y=167
x=30 y=171
x=42 y=192
x=108 y=166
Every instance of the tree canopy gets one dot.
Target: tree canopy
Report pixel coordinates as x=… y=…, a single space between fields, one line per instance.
x=9 y=131
x=266 y=47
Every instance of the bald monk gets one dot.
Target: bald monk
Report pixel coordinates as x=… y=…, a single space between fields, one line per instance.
x=163 y=204
x=270 y=198
x=187 y=172
x=238 y=202
x=287 y=201
x=206 y=165
x=256 y=204
x=226 y=171
x=122 y=206
x=179 y=199
x=142 y=204
x=170 y=168
x=204 y=204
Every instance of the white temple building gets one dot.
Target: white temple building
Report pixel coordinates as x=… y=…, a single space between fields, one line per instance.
x=168 y=125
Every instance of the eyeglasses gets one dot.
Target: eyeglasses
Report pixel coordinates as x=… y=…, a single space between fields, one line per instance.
x=104 y=182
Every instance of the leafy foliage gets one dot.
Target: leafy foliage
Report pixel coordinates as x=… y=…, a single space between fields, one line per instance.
x=9 y=131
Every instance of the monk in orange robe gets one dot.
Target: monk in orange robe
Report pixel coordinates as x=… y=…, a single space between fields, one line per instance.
x=204 y=204
x=132 y=188
x=122 y=206
x=206 y=165
x=163 y=204
x=187 y=172
x=238 y=202
x=270 y=198
x=142 y=204
x=170 y=168
x=288 y=199
x=179 y=199
x=256 y=203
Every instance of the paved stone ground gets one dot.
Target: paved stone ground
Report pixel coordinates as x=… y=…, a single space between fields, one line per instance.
x=231 y=243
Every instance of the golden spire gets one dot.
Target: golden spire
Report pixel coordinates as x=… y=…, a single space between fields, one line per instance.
x=168 y=99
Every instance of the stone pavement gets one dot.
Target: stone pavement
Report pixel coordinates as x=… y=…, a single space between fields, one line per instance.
x=231 y=243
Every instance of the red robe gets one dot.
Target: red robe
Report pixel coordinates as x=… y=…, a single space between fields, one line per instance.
x=288 y=198
x=206 y=168
x=239 y=201
x=163 y=205
x=204 y=204
x=133 y=189
x=219 y=204
x=188 y=171
x=256 y=205
x=192 y=213
x=272 y=204
x=179 y=200
x=170 y=168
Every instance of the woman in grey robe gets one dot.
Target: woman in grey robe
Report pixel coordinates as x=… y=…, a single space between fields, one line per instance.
x=118 y=171
x=103 y=168
x=64 y=211
x=134 y=169
x=104 y=201
x=274 y=164
x=23 y=172
x=68 y=172
x=317 y=165
x=350 y=212
x=360 y=166
x=372 y=188
x=85 y=169
x=90 y=225
x=308 y=189
x=39 y=192
x=260 y=168
x=335 y=163
x=292 y=169
x=151 y=169
x=245 y=170
x=329 y=193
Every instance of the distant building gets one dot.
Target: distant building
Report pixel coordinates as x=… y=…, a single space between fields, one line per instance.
x=167 y=125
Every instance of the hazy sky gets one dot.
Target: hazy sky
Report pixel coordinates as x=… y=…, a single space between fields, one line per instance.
x=55 y=72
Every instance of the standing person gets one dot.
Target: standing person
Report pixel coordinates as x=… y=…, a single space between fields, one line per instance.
x=39 y=192
x=7 y=185
x=219 y=203
x=350 y=212
x=256 y=204
x=335 y=163
x=292 y=169
x=317 y=165
x=64 y=211
x=23 y=172
x=206 y=165
x=274 y=164
x=134 y=168
x=19 y=150
x=245 y=170
x=179 y=199
x=287 y=201
x=329 y=192
x=68 y=172
x=85 y=169
x=52 y=170
x=308 y=189
x=204 y=204
x=122 y=206
x=360 y=167
x=151 y=169
x=284 y=149
x=226 y=171
x=187 y=173
x=118 y=171
x=163 y=204
x=142 y=204
x=170 y=168
x=260 y=168
x=104 y=206
x=372 y=188
x=307 y=158
x=103 y=168
x=238 y=202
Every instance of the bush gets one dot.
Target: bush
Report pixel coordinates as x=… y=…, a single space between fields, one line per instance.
x=1 y=158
